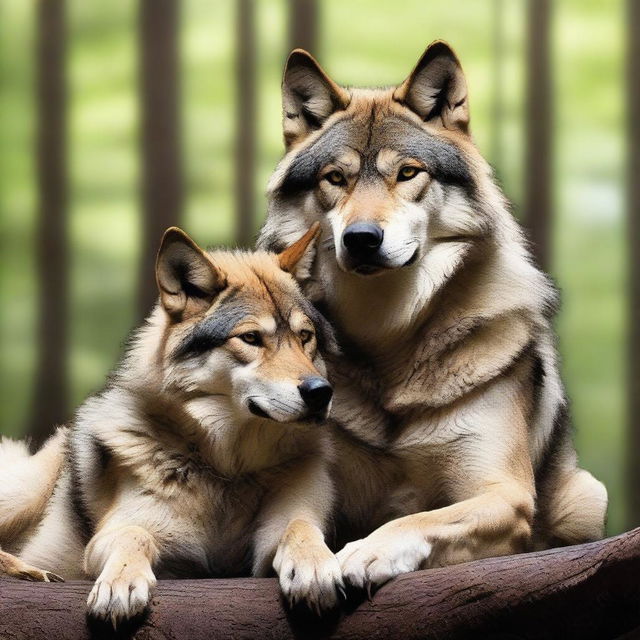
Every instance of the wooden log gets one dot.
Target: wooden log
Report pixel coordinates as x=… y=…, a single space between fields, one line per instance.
x=586 y=591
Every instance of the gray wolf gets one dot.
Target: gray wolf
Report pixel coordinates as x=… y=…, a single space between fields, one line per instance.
x=205 y=455
x=452 y=429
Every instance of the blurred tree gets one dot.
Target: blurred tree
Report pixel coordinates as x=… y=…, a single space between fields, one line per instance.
x=633 y=207
x=245 y=151
x=162 y=181
x=303 y=25
x=497 y=106
x=49 y=405
x=539 y=127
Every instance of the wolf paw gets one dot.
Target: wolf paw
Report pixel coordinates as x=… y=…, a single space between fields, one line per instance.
x=12 y=566
x=310 y=576
x=38 y=575
x=383 y=555
x=120 y=595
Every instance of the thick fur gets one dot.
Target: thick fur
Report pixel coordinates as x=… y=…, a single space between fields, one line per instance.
x=201 y=456
x=452 y=429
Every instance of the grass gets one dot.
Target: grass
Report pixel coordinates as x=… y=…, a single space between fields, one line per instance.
x=362 y=41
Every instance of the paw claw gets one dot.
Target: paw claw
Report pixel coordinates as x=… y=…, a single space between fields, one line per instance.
x=314 y=579
x=369 y=563
x=53 y=577
x=119 y=598
x=32 y=574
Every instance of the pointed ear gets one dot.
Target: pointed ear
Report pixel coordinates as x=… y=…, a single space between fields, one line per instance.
x=187 y=280
x=309 y=97
x=297 y=258
x=436 y=89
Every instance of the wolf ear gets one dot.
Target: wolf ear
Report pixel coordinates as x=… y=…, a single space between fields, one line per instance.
x=436 y=89
x=309 y=96
x=187 y=279
x=297 y=258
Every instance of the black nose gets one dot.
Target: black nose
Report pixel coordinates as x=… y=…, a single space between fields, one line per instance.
x=316 y=393
x=362 y=239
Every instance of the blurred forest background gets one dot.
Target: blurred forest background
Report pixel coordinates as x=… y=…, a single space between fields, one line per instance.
x=118 y=118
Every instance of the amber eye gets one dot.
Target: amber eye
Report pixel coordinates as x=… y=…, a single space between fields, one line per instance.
x=252 y=338
x=335 y=178
x=305 y=336
x=407 y=172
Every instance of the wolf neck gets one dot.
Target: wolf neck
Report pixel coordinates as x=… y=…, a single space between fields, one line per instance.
x=235 y=445
x=454 y=282
x=382 y=311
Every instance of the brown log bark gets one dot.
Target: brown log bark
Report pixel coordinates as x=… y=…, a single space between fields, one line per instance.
x=538 y=196
x=586 y=591
x=51 y=386
x=162 y=184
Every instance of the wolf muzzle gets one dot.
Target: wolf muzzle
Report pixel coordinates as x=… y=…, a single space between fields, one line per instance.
x=316 y=393
x=362 y=240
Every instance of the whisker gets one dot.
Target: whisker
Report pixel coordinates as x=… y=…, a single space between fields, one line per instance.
x=283 y=405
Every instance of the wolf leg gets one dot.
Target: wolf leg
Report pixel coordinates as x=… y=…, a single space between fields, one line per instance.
x=575 y=512
x=291 y=539
x=494 y=523
x=11 y=565
x=123 y=558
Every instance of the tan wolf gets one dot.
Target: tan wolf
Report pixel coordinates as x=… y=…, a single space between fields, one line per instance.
x=206 y=455
x=452 y=429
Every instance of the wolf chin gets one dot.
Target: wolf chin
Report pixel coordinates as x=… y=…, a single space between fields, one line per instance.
x=451 y=422
x=206 y=455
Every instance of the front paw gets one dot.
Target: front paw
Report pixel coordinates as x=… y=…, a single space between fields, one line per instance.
x=309 y=575
x=122 y=594
x=387 y=552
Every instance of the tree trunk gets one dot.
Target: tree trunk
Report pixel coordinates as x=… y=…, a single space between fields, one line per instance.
x=303 y=25
x=586 y=591
x=162 y=187
x=51 y=387
x=497 y=90
x=633 y=235
x=538 y=195
x=245 y=154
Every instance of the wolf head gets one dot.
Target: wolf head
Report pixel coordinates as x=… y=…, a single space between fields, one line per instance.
x=396 y=182
x=388 y=171
x=236 y=329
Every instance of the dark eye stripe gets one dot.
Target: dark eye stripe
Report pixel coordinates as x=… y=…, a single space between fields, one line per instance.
x=212 y=332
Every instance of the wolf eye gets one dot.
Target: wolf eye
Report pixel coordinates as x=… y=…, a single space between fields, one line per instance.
x=305 y=336
x=407 y=172
x=335 y=178
x=251 y=337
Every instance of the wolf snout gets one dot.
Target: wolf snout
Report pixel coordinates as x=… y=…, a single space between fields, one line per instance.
x=362 y=240
x=316 y=393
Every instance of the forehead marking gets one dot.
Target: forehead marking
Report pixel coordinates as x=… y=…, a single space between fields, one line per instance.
x=268 y=324
x=443 y=160
x=298 y=320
